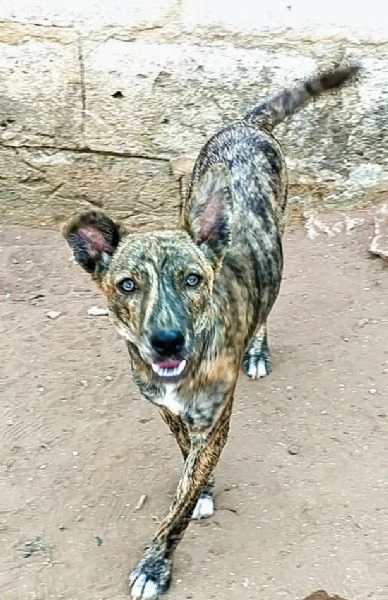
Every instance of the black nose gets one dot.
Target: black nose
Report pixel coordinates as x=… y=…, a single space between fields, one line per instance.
x=167 y=342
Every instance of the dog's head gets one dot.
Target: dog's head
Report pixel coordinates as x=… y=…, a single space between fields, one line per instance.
x=159 y=286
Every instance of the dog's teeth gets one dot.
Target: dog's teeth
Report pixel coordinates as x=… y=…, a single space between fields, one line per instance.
x=181 y=366
x=169 y=372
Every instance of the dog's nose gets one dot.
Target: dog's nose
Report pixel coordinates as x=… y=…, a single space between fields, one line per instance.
x=167 y=342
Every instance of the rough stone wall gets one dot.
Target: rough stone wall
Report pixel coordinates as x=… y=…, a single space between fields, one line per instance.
x=98 y=106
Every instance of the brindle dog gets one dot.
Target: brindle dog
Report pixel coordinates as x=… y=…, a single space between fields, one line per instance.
x=192 y=303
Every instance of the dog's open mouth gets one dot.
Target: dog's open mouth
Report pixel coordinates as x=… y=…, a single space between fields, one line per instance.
x=169 y=370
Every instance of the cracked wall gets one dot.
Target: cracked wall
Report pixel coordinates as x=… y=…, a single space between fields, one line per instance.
x=106 y=108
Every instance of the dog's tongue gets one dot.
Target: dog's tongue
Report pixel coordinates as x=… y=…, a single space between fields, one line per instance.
x=169 y=364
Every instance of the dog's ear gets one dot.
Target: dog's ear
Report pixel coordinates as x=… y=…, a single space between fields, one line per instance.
x=93 y=238
x=210 y=209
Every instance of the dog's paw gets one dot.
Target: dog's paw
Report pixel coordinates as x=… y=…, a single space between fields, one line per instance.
x=257 y=364
x=151 y=578
x=204 y=507
x=257 y=361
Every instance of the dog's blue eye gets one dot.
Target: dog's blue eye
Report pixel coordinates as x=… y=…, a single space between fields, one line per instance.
x=192 y=280
x=127 y=285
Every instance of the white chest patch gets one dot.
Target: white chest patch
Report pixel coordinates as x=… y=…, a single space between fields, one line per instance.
x=171 y=400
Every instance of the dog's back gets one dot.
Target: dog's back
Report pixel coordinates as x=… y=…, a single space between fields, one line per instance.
x=255 y=162
x=253 y=156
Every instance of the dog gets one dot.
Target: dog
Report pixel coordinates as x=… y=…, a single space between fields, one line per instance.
x=192 y=304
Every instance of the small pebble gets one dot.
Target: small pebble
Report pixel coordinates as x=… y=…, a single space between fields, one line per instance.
x=97 y=311
x=293 y=450
x=373 y=391
x=53 y=314
x=140 y=503
x=362 y=322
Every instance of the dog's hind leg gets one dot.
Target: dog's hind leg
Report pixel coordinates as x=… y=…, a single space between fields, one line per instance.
x=151 y=578
x=205 y=505
x=257 y=361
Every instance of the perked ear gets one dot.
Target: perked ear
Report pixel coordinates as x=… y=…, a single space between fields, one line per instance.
x=93 y=238
x=210 y=211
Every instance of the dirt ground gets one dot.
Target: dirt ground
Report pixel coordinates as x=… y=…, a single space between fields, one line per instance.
x=302 y=487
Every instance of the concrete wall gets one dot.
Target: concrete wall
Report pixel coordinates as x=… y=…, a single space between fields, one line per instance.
x=97 y=105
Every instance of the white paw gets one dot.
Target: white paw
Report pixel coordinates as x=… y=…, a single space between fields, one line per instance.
x=150 y=579
x=142 y=587
x=257 y=368
x=261 y=369
x=204 y=508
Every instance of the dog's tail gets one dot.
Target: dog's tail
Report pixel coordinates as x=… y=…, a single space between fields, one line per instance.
x=272 y=112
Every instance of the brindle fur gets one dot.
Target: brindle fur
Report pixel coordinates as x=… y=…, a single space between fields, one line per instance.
x=230 y=235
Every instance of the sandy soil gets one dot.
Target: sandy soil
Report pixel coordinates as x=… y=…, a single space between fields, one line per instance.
x=302 y=487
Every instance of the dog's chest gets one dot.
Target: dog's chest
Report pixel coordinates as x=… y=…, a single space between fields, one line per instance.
x=199 y=412
x=170 y=399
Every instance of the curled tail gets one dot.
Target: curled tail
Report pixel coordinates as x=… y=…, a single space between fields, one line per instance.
x=271 y=112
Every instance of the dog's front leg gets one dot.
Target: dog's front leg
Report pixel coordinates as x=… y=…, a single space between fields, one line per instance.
x=151 y=577
x=205 y=505
x=178 y=429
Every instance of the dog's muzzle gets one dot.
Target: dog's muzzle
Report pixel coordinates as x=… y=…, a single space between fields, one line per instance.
x=168 y=345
